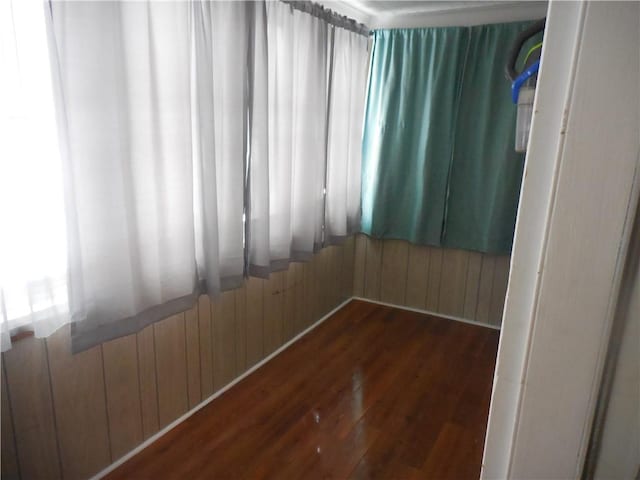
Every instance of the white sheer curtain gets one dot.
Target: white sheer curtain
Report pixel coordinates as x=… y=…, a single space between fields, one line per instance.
x=293 y=183
x=124 y=71
x=348 y=79
x=33 y=263
x=221 y=40
x=257 y=188
x=153 y=100
x=176 y=121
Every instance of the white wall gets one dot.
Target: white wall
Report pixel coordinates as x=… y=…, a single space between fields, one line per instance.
x=470 y=15
x=424 y=13
x=555 y=77
x=570 y=241
x=619 y=455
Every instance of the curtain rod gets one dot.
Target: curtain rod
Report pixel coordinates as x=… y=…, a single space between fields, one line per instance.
x=329 y=16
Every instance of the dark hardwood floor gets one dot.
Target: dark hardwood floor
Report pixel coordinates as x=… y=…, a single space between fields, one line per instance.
x=373 y=392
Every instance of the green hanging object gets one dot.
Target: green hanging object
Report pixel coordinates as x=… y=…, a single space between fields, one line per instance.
x=523 y=83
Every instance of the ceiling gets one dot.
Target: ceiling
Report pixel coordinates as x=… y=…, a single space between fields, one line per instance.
x=423 y=13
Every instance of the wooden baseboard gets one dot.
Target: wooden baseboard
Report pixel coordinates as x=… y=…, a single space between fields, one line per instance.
x=428 y=312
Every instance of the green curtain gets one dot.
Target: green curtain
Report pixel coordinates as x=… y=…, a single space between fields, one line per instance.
x=439 y=166
x=413 y=89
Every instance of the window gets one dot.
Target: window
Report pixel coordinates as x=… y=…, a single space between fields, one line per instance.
x=33 y=291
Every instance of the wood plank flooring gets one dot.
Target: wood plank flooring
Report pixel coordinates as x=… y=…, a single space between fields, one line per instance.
x=373 y=392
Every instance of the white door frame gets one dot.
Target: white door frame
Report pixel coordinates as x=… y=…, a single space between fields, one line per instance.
x=570 y=242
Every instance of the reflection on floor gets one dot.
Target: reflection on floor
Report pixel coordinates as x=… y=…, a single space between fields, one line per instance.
x=373 y=392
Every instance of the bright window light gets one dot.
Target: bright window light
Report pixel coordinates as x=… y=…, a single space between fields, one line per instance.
x=33 y=261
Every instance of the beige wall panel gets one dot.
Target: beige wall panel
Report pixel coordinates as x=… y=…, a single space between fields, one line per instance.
x=29 y=391
x=433 y=279
x=224 y=340
x=472 y=285
x=317 y=272
x=335 y=276
x=499 y=289
x=393 y=278
x=319 y=280
x=373 y=268
x=417 y=276
x=343 y=260
x=171 y=368
x=347 y=268
x=447 y=281
x=301 y=312
x=206 y=346
x=148 y=381
x=322 y=260
x=273 y=312
x=255 y=312
x=453 y=279
x=77 y=382
x=485 y=289
x=9 y=455
x=290 y=292
x=241 y=329
x=311 y=291
x=359 y=264
x=329 y=279
x=120 y=357
x=193 y=356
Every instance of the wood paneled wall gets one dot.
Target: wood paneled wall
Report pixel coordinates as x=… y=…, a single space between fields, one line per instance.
x=460 y=283
x=69 y=416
